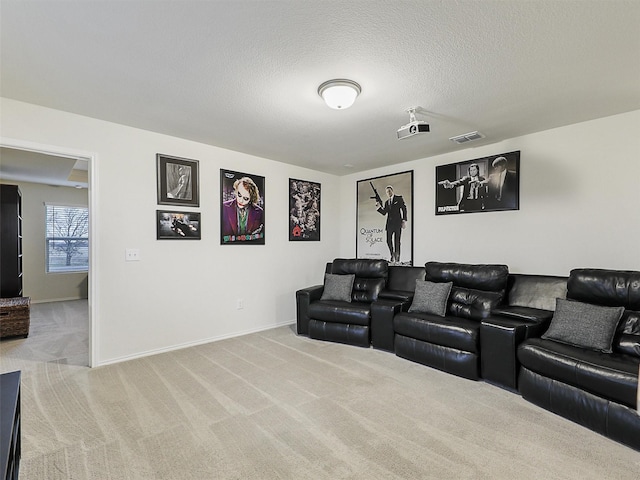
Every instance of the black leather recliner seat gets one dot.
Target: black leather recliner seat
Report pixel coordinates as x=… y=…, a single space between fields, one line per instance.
x=593 y=388
x=343 y=321
x=452 y=343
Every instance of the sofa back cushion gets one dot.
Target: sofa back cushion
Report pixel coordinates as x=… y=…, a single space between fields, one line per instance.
x=404 y=278
x=535 y=291
x=492 y=278
x=627 y=339
x=370 y=276
x=613 y=288
x=473 y=304
x=610 y=288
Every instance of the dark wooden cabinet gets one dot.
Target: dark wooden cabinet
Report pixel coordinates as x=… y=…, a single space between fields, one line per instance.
x=10 y=434
x=11 y=241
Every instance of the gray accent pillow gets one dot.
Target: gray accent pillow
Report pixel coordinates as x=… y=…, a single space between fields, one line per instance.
x=431 y=297
x=584 y=325
x=337 y=287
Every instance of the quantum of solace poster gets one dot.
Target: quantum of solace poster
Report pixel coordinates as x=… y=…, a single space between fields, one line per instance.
x=384 y=218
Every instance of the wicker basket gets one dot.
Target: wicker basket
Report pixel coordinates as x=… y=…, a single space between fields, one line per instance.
x=14 y=317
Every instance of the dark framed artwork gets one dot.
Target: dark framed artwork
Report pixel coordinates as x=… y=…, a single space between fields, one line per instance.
x=178 y=182
x=177 y=225
x=384 y=218
x=242 y=219
x=486 y=184
x=304 y=210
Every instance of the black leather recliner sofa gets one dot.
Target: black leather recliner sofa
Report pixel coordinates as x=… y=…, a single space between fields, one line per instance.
x=452 y=343
x=595 y=389
x=343 y=321
x=495 y=334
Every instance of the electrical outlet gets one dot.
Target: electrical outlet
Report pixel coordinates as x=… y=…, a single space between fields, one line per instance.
x=240 y=304
x=132 y=255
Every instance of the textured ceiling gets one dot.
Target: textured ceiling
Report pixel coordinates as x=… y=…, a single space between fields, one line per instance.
x=243 y=75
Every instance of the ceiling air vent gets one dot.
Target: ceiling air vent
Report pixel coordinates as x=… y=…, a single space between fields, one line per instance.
x=467 y=137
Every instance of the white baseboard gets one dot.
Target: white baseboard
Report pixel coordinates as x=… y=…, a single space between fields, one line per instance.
x=190 y=344
x=50 y=300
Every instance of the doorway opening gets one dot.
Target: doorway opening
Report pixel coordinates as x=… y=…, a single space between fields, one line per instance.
x=56 y=172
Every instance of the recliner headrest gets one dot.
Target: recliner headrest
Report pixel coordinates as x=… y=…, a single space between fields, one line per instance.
x=491 y=278
x=368 y=268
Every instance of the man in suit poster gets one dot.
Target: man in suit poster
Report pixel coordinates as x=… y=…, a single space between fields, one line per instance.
x=480 y=185
x=502 y=187
x=384 y=218
x=396 y=211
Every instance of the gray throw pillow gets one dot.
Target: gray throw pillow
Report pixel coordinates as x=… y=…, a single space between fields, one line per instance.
x=337 y=287
x=431 y=297
x=584 y=325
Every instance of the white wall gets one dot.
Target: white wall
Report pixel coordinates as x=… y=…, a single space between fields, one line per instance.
x=36 y=282
x=181 y=292
x=578 y=208
x=579 y=203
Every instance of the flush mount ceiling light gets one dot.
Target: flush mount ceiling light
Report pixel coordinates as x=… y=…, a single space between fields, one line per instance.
x=339 y=93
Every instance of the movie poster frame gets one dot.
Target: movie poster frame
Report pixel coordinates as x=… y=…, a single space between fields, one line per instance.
x=227 y=178
x=312 y=200
x=162 y=162
x=449 y=201
x=371 y=230
x=176 y=235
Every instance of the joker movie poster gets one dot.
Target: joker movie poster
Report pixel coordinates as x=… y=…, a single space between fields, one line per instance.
x=242 y=220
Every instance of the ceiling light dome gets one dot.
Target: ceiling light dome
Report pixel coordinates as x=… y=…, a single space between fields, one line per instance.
x=339 y=93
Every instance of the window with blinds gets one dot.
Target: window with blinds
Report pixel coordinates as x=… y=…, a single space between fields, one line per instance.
x=67 y=239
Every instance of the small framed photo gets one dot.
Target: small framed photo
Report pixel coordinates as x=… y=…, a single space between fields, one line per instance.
x=304 y=210
x=242 y=208
x=177 y=225
x=178 y=182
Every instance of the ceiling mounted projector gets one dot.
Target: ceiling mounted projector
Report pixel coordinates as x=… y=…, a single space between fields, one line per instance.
x=414 y=127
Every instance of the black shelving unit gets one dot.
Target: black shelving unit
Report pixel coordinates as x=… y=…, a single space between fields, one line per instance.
x=11 y=242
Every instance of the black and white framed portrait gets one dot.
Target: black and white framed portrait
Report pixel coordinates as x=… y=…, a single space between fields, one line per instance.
x=304 y=210
x=384 y=218
x=242 y=204
x=177 y=225
x=177 y=181
x=480 y=185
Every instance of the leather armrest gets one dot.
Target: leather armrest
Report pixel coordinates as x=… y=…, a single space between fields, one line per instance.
x=527 y=326
x=536 y=315
x=500 y=337
x=382 y=313
x=399 y=295
x=304 y=297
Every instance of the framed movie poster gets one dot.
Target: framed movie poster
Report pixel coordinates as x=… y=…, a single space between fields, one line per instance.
x=304 y=210
x=242 y=220
x=481 y=185
x=177 y=181
x=177 y=225
x=384 y=218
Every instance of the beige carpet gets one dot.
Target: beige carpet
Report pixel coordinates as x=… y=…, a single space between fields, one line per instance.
x=273 y=405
